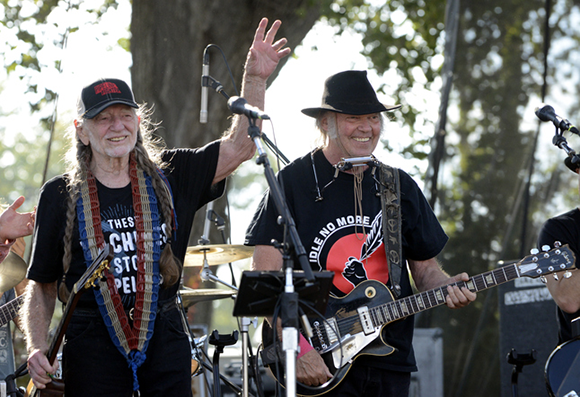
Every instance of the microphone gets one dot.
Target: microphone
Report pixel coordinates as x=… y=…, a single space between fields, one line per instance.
x=240 y=106
x=547 y=113
x=204 y=89
x=347 y=164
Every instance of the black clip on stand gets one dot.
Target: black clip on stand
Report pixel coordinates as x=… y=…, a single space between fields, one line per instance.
x=518 y=361
x=559 y=141
x=289 y=300
x=220 y=341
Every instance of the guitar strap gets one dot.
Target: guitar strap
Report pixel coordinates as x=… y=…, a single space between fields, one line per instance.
x=390 y=192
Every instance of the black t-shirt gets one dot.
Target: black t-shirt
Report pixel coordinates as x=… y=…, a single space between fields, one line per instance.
x=331 y=231
x=564 y=228
x=190 y=174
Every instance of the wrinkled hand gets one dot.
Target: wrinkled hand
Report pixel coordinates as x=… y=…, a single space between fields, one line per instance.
x=311 y=369
x=264 y=53
x=39 y=368
x=457 y=297
x=14 y=224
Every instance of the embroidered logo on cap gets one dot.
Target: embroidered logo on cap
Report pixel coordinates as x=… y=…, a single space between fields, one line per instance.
x=107 y=88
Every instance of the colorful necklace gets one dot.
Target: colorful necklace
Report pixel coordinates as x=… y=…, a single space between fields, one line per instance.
x=131 y=340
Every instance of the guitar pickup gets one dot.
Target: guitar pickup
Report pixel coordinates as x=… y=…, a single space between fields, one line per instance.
x=331 y=327
x=365 y=320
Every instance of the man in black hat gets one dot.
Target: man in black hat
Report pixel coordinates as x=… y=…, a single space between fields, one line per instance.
x=565 y=228
x=337 y=207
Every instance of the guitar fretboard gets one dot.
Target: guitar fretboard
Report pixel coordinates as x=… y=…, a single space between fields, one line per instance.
x=9 y=310
x=407 y=306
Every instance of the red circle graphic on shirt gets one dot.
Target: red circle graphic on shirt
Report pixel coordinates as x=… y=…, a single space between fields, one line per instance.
x=344 y=259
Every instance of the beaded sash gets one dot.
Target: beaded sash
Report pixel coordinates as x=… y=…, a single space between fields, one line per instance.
x=131 y=340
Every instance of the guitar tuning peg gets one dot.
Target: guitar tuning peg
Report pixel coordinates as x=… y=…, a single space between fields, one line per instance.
x=557 y=244
x=543 y=279
x=567 y=274
x=555 y=276
x=545 y=248
x=534 y=251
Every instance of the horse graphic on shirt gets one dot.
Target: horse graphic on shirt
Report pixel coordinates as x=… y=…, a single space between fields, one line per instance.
x=354 y=269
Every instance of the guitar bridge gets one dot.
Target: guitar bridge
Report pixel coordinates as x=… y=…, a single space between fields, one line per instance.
x=348 y=338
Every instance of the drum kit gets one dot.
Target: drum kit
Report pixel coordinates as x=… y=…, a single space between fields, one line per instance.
x=205 y=256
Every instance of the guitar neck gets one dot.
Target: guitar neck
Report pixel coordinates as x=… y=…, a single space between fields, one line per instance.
x=62 y=325
x=9 y=310
x=409 y=305
x=94 y=270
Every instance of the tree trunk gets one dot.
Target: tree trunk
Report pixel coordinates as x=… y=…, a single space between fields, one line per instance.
x=168 y=41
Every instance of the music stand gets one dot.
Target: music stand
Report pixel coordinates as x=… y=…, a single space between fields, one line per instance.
x=259 y=292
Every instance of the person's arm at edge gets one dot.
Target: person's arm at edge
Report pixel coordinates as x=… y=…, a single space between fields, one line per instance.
x=565 y=291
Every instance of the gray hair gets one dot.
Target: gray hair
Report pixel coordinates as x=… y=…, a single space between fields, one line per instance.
x=332 y=129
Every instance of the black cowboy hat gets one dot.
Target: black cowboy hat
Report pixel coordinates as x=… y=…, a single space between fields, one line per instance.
x=349 y=92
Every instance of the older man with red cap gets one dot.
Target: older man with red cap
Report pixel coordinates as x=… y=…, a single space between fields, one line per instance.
x=342 y=200
x=126 y=337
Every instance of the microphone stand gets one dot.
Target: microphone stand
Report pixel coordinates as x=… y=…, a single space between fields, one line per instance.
x=289 y=300
x=206 y=273
x=559 y=141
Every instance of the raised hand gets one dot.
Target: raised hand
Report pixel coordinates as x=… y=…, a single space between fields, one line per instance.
x=264 y=53
x=14 y=224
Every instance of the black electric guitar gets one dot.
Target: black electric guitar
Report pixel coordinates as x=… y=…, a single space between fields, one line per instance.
x=352 y=325
x=87 y=280
x=562 y=371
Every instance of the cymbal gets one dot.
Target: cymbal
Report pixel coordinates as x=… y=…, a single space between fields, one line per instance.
x=12 y=271
x=216 y=254
x=192 y=296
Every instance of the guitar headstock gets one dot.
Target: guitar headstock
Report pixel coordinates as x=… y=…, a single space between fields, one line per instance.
x=95 y=270
x=540 y=264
